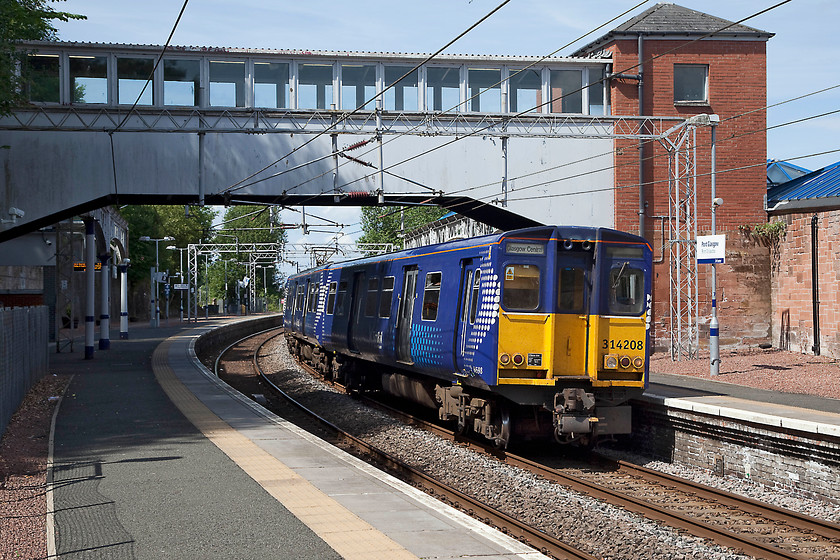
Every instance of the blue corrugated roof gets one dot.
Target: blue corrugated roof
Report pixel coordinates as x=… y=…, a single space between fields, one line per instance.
x=822 y=183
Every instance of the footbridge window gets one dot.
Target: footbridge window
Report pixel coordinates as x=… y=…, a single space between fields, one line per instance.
x=132 y=75
x=271 y=85
x=404 y=96
x=485 y=90
x=288 y=80
x=181 y=79
x=227 y=83
x=443 y=88
x=89 y=79
x=42 y=79
x=358 y=85
x=315 y=86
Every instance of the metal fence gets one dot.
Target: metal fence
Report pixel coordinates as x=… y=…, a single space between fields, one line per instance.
x=24 y=339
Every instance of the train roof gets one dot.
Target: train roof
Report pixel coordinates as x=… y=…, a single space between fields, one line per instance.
x=577 y=233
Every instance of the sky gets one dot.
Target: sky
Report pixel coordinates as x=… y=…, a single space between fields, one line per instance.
x=801 y=57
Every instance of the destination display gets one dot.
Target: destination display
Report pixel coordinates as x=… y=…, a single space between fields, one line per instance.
x=513 y=248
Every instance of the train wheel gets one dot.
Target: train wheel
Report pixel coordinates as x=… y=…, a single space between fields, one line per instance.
x=503 y=429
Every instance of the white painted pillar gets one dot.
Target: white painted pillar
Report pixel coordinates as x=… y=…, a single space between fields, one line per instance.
x=124 y=299
x=90 y=286
x=105 y=304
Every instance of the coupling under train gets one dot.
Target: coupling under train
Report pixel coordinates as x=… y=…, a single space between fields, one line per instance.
x=515 y=335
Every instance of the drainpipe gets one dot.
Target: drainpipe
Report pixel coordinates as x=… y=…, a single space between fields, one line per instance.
x=641 y=146
x=815 y=285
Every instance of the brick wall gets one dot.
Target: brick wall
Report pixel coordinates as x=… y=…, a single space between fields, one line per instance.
x=792 y=304
x=737 y=85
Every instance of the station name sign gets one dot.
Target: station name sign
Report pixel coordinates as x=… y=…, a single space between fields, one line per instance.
x=525 y=248
x=711 y=249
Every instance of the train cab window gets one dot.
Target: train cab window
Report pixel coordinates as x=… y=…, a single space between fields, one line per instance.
x=521 y=289
x=331 y=298
x=387 y=296
x=474 y=298
x=626 y=281
x=627 y=290
x=570 y=290
x=431 y=296
x=370 y=298
x=340 y=296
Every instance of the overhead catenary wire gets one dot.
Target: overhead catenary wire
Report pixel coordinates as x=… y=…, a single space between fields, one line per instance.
x=552 y=100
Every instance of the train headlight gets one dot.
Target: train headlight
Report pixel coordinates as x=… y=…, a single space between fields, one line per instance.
x=638 y=362
x=624 y=362
x=610 y=361
x=518 y=360
x=504 y=359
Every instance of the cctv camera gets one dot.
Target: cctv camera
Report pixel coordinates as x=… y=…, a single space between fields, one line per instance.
x=16 y=212
x=717 y=202
x=48 y=242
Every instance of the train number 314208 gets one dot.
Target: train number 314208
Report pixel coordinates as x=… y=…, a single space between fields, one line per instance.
x=623 y=344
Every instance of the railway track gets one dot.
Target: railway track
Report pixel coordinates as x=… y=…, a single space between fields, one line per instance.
x=757 y=529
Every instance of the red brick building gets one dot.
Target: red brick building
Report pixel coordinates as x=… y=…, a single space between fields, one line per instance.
x=673 y=61
x=805 y=268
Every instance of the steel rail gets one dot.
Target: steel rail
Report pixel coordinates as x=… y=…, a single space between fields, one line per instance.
x=489 y=515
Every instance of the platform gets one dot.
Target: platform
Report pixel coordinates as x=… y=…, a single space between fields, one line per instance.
x=806 y=413
x=156 y=458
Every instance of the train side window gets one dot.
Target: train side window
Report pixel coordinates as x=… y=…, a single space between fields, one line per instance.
x=340 y=297
x=331 y=297
x=467 y=292
x=370 y=299
x=300 y=295
x=431 y=296
x=387 y=297
x=521 y=289
x=474 y=301
x=571 y=289
x=311 y=296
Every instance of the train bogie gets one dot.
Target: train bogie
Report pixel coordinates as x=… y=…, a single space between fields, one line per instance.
x=524 y=332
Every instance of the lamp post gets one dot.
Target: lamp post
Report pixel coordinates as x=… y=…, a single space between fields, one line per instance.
x=155 y=275
x=180 y=275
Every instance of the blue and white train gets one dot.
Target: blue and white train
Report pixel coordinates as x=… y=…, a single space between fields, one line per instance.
x=537 y=331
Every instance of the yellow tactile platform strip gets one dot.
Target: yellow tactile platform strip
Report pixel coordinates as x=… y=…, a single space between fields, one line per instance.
x=346 y=533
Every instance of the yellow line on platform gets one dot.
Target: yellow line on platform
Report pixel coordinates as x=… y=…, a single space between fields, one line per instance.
x=350 y=536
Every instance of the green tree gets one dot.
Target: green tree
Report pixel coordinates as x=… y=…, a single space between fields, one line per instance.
x=158 y=222
x=22 y=20
x=382 y=224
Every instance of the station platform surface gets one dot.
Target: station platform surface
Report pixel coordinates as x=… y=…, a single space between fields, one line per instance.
x=808 y=413
x=154 y=457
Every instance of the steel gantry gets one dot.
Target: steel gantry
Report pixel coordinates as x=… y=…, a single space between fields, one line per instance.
x=256 y=255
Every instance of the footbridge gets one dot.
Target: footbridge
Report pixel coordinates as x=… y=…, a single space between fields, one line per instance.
x=126 y=124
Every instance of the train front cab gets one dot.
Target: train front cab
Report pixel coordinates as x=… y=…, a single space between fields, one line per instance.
x=573 y=319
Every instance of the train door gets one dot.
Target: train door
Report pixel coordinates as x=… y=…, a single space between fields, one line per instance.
x=467 y=311
x=405 y=314
x=357 y=295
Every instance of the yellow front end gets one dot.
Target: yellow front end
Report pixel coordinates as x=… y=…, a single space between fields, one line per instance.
x=540 y=348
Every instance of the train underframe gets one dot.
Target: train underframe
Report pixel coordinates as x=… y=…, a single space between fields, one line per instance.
x=576 y=415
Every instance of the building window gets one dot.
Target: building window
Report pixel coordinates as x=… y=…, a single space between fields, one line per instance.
x=691 y=83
